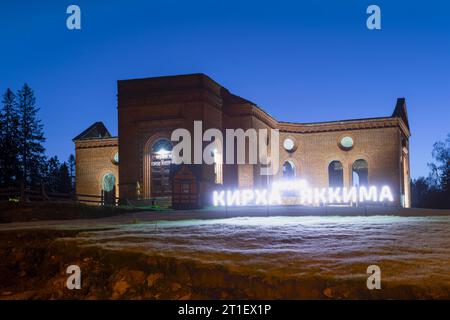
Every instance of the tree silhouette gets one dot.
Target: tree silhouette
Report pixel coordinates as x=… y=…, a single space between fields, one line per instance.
x=31 y=138
x=9 y=123
x=434 y=191
x=440 y=168
x=71 y=165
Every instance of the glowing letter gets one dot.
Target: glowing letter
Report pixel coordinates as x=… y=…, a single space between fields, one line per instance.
x=218 y=198
x=349 y=195
x=274 y=197
x=334 y=195
x=319 y=196
x=74 y=20
x=370 y=195
x=306 y=195
x=374 y=21
x=261 y=197
x=233 y=198
x=247 y=196
x=386 y=193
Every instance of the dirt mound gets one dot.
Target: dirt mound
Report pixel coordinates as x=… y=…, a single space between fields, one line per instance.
x=33 y=266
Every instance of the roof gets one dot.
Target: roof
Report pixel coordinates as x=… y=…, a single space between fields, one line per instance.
x=95 y=131
x=400 y=111
x=148 y=87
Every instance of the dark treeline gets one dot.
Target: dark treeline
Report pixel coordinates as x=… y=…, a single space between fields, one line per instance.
x=22 y=154
x=434 y=191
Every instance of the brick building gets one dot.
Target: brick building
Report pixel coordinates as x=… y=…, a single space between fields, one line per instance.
x=334 y=153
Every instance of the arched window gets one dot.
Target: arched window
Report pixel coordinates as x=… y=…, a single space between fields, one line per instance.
x=162 y=146
x=288 y=169
x=335 y=175
x=360 y=173
x=108 y=182
x=161 y=158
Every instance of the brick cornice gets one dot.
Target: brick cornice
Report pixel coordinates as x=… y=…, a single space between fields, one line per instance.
x=338 y=125
x=352 y=124
x=96 y=143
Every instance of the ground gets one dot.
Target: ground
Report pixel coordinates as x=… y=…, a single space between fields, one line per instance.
x=184 y=256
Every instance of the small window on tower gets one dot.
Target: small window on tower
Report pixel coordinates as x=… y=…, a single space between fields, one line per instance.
x=346 y=143
x=115 y=159
x=289 y=145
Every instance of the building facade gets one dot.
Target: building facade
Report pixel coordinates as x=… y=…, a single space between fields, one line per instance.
x=371 y=151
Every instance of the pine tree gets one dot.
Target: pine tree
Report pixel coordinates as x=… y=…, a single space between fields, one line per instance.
x=64 y=182
x=31 y=138
x=441 y=166
x=56 y=176
x=440 y=174
x=71 y=164
x=50 y=175
x=9 y=143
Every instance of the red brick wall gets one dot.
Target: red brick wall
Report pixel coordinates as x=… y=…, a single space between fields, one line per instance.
x=154 y=107
x=93 y=161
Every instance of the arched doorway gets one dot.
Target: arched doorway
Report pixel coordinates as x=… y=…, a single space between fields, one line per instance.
x=360 y=173
x=335 y=174
x=288 y=170
x=289 y=174
x=109 y=188
x=160 y=156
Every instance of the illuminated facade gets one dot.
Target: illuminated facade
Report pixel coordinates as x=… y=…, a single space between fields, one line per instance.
x=336 y=154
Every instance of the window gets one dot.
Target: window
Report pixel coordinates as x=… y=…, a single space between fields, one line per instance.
x=115 y=159
x=335 y=175
x=346 y=143
x=360 y=173
x=288 y=144
x=162 y=146
x=161 y=158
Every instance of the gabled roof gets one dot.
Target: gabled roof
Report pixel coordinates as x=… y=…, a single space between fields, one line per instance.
x=95 y=131
x=400 y=111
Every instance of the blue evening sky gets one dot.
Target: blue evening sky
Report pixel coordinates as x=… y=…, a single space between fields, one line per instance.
x=301 y=61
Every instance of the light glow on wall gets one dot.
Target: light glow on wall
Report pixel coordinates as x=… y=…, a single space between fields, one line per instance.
x=300 y=193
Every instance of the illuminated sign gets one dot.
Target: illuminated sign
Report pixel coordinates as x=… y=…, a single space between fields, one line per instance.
x=161 y=158
x=302 y=194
